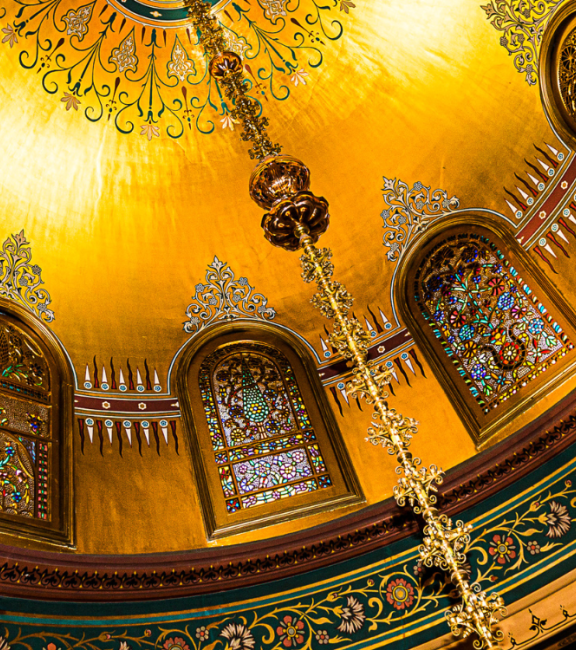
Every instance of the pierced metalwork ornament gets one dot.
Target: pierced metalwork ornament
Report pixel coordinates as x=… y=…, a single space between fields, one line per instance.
x=224 y=298
x=20 y=280
x=408 y=213
x=522 y=24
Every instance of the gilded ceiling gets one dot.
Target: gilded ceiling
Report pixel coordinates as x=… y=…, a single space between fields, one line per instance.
x=121 y=164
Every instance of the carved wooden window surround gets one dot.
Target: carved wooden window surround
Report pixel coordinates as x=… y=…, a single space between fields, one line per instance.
x=495 y=331
x=36 y=394
x=264 y=442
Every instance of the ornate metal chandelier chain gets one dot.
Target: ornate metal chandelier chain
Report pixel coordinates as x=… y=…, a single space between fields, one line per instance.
x=227 y=68
x=443 y=543
x=295 y=220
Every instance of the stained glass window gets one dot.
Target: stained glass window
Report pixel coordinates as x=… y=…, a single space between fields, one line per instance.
x=25 y=432
x=495 y=331
x=263 y=442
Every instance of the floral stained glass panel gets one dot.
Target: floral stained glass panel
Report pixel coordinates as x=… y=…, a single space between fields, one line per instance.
x=25 y=433
x=494 y=329
x=263 y=442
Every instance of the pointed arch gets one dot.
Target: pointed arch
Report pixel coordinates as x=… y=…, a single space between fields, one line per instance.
x=264 y=443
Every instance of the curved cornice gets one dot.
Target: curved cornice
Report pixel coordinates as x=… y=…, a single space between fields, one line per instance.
x=43 y=575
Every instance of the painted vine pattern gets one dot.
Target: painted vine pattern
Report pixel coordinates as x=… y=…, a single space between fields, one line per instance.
x=151 y=81
x=363 y=608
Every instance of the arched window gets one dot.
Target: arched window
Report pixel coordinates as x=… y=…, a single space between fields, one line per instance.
x=35 y=459
x=265 y=443
x=492 y=334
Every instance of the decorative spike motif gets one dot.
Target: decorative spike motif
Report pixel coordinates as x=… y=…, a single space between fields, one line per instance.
x=443 y=544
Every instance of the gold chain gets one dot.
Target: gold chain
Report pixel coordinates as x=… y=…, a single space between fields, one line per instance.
x=444 y=543
x=296 y=220
x=227 y=68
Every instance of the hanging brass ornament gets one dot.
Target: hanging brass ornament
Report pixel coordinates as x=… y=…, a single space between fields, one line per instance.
x=295 y=220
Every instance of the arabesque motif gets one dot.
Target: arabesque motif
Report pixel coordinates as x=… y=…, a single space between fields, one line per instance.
x=358 y=608
x=262 y=437
x=522 y=23
x=20 y=280
x=487 y=318
x=21 y=362
x=25 y=429
x=224 y=298
x=144 y=71
x=16 y=477
x=408 y=213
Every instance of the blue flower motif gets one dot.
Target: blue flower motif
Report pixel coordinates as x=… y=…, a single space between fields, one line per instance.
x=478 y=372
x=536 y=326
x=505 y=301
x=466 y=332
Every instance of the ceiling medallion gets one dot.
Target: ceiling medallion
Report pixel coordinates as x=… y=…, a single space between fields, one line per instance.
x=137 y=64
x=224 y=298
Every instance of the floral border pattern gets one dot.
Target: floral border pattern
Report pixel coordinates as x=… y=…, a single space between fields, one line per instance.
x=351 y=609
x=95 y=582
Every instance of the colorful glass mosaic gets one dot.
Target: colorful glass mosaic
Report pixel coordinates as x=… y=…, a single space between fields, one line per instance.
x=25 y=432
x=261 y=434
x=17 y=483
x=496 y=332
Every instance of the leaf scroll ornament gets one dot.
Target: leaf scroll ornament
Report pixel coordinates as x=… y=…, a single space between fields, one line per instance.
x=522 y=23
x=408 y=213
x=20 y=280
x=224 y=298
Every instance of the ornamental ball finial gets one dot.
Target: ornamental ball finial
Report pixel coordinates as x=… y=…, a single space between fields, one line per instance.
x=277 y=178
x=224 y=64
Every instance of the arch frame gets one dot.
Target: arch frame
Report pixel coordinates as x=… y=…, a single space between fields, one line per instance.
x=483 y=430
x=60 y=530
x=346 y=488
x=558 y=27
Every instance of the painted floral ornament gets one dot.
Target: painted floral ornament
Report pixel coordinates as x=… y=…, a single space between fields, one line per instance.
x=138 y=64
